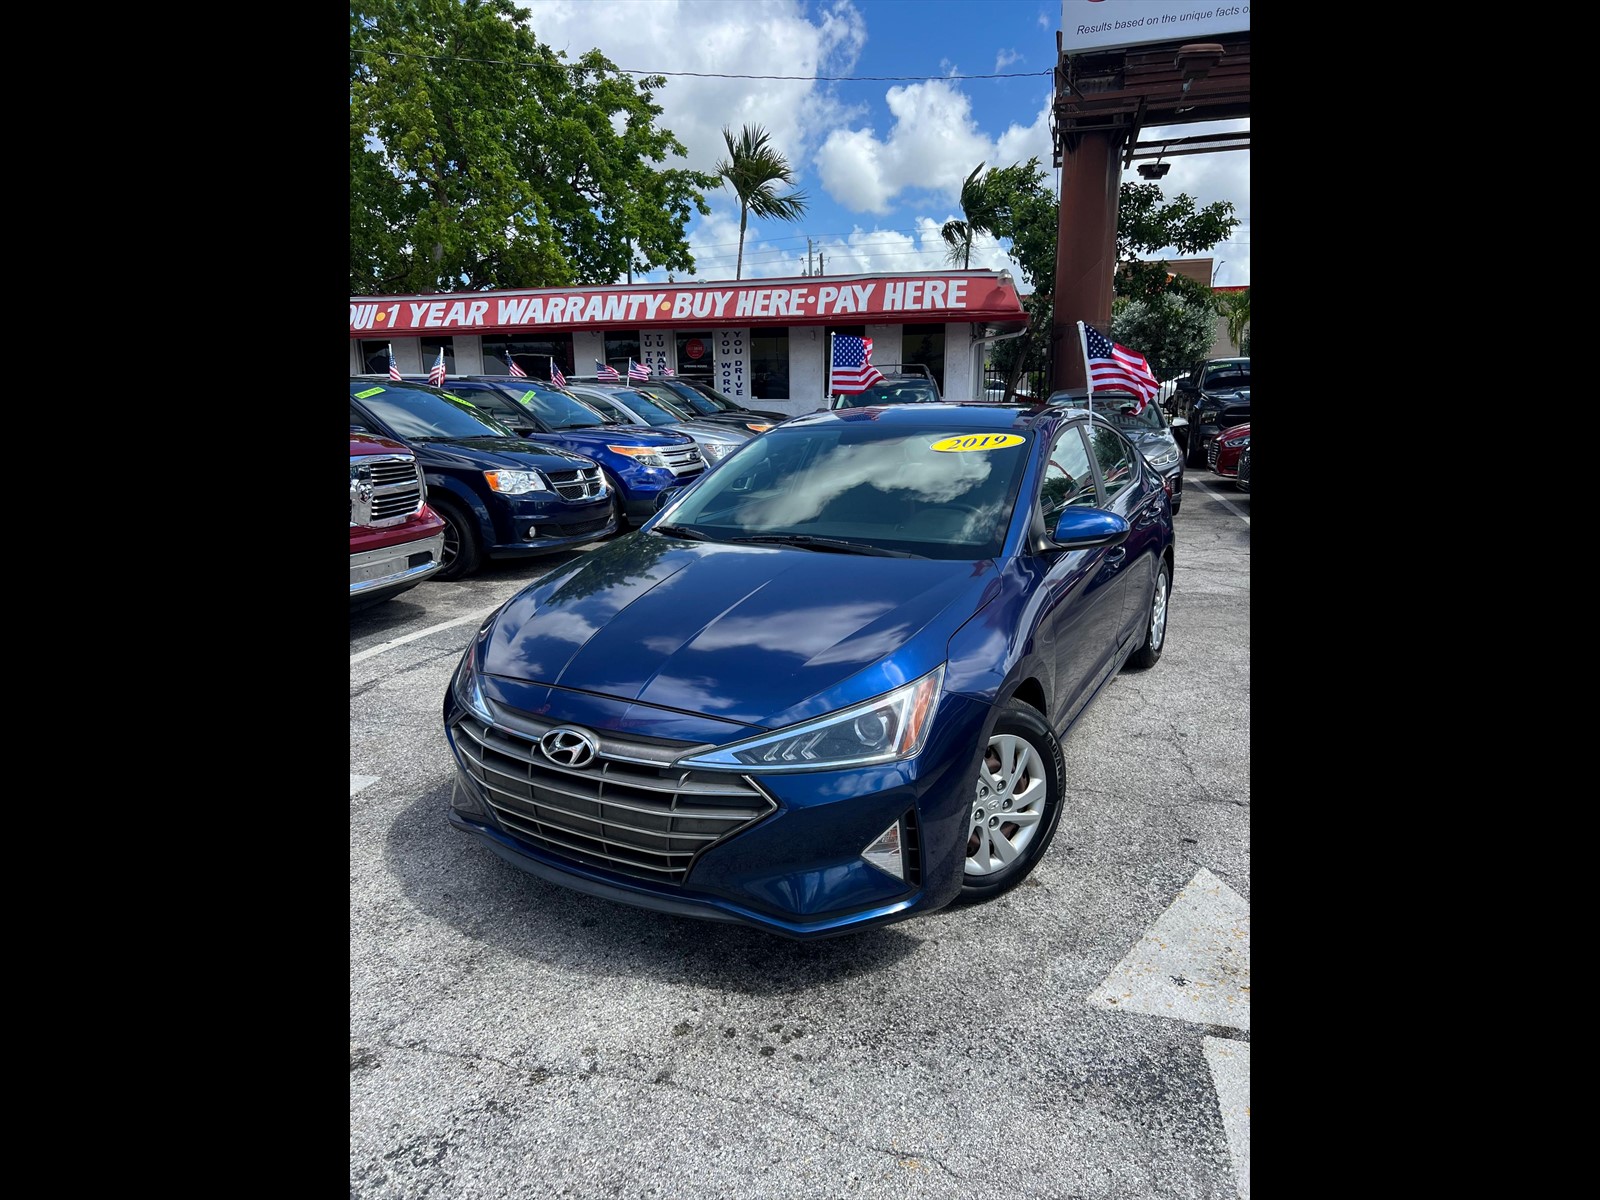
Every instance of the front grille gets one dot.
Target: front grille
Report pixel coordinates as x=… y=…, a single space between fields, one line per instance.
x=583 y=484
x=1229 y=417
x=384 y=489
x=629 y=811
x=1212 y=451
x=684 y=460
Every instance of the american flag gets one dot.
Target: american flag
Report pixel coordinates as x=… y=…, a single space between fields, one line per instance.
x=556 y=377
x=394 y=369
x=668 y=372
x=852 y=365
x=1111 y=365
x=637 y=370
x=436 y=376
x=609 y=374
x=515 y=370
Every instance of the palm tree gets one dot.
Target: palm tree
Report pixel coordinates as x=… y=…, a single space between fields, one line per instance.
x=751 y=168
x=978 y=209
x=1235 y=306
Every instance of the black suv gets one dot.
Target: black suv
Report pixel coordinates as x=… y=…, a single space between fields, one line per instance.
x=912 y=383
x=501 y=496
x=1213 y=397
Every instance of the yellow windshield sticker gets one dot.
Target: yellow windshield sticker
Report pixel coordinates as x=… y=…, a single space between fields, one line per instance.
x=977 y=441
x=372 y=391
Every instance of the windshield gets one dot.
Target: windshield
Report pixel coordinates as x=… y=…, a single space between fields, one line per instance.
x=893 y=490
x=422 y=413
x=718 y=401
x=688 y=397
x=556 y=409
x=663 y=408
x=636 y=402
x=1119 y=409
x=894 y=391
x=1225 y=379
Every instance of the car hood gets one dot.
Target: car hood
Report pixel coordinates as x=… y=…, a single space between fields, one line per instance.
x=738 y=435
x=1228 y=395
x=1150 y=437
x=511 y=453
x=740 y=633
x=623 y=435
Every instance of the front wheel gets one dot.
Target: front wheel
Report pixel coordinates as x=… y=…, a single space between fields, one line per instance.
x=1155 y=623
x=461 y=550
x=1016 y=803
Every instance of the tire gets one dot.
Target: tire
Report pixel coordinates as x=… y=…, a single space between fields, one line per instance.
x=619 y=509
x=462 y=548
x=1242 y=480
x=1020 y=774
x=1197 y=454
x=1155 y=623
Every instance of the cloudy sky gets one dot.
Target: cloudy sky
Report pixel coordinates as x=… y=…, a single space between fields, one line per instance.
x=889 y=106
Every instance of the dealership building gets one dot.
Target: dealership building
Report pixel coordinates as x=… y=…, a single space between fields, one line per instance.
x=756 y=340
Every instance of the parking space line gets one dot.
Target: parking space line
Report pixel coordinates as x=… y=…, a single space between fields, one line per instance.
x=1218 y=496
x=411 y=637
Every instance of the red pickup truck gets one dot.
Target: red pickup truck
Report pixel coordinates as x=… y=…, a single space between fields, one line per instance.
x=396 y=540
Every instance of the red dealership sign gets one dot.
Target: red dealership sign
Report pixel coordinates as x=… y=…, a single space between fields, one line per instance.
x=817 y=300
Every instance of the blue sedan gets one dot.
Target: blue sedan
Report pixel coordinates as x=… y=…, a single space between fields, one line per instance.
x=950 y=585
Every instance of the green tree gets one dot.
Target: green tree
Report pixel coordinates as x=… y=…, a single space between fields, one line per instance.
x=480 y=158
x=1146 y=223
x=1235 y=309
x=1172 y=329
x=978 y=207
x=751 y=168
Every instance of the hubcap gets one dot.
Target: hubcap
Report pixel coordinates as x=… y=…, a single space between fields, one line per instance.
x=1158 y=612
x=1008 y=806
x=452 y=544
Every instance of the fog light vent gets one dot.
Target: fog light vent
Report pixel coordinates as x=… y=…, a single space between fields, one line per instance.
x=887 y=852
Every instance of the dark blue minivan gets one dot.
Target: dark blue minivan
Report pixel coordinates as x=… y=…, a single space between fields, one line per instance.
x=639 y=462
x=501 y=496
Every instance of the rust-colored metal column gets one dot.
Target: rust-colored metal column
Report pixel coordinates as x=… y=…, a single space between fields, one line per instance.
x=1086 y=247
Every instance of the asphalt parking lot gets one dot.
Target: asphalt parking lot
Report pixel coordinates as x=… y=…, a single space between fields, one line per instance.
x=1087 y=1035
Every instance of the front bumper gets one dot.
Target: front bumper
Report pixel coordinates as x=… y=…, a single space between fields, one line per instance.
x=390 y=570
x=787 y=859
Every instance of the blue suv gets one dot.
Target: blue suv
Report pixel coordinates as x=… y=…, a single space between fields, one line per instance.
x=639 y=462
x=501 y=496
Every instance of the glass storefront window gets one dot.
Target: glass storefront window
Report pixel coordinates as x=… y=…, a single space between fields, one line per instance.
x=374 y=357
x=924 y=344
x=621 y=345
x=695 y=355
x=533 y=354
x=769 y=364
x=430 y=354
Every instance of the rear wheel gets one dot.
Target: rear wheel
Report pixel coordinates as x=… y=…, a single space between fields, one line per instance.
x=1016 y=803
x=1155 y=623
x=461 y=546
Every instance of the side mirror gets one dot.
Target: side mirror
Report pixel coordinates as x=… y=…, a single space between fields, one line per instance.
x=1188 y=385
x=1082 y=528
x=1179 y=422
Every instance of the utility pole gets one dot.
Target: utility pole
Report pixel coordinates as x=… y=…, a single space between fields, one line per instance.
x=820 y=268
x=808 y=258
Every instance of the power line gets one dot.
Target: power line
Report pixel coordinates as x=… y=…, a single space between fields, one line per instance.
x=506 y=62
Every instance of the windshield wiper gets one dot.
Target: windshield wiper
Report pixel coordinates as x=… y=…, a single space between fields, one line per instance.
x=812 y=542
x=682 y=531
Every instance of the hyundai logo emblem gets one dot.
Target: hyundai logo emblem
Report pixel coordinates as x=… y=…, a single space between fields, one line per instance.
x=569 y=747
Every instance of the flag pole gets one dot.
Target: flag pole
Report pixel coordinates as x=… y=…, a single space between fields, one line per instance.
x=829 y=397
x=1088 y=375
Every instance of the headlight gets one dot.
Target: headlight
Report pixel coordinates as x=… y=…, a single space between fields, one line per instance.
x=644 y=454
x=1164 y=457
x=892 y=727
x=467 y=690
x=514 y=483
x=716 y=450
x=1238 y=441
